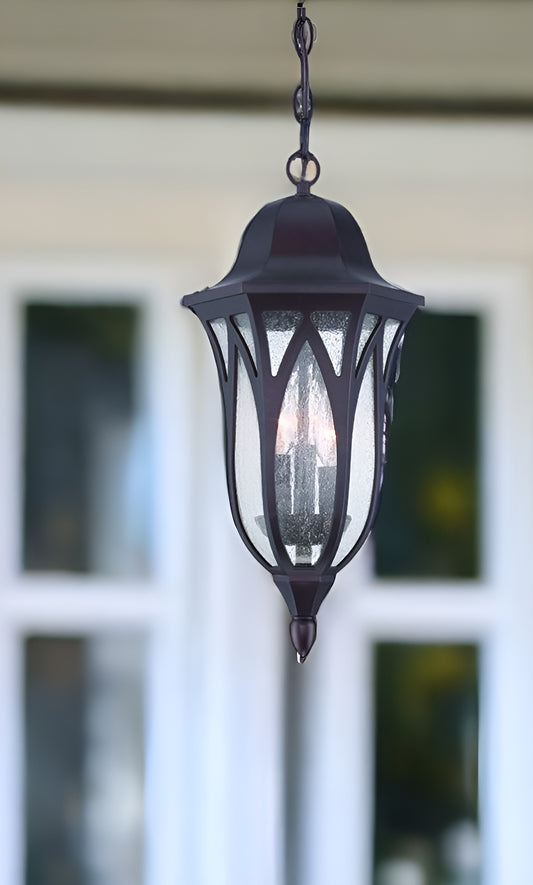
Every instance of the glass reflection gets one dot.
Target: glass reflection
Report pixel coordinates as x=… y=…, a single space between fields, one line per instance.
x=84 y=761
x=426 y=786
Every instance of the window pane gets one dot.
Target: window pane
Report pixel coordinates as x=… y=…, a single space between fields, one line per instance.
x=86 y=464
x=84 y=761
x=428 y=524
x=426 y=787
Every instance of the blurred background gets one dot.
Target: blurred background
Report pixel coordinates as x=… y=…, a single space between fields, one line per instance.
x=155 y=728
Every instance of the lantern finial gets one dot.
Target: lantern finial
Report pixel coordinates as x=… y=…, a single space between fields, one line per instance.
x=303 y=635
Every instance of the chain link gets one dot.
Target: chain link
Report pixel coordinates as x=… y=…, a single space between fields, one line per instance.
x=305 y=172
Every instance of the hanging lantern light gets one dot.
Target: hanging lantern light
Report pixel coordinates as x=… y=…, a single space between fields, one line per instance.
x=307 y=339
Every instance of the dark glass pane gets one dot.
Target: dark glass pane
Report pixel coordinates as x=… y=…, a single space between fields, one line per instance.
x=426 y=781
x=428 y=524
x=84 y=761
x=85 y=507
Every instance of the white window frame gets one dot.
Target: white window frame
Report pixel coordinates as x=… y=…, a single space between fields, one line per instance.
x=493 y=611
x=188 y=735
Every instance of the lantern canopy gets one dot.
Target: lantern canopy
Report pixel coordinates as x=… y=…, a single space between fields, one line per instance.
x=307 y=339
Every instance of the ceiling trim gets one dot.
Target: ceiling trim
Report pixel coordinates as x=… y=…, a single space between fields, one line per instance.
x=142 y=98
x=393 y=53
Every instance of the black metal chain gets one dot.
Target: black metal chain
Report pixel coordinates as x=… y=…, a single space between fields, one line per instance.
x=303 y=168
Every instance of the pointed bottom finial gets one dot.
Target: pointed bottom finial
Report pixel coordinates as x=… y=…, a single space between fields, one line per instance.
x=303 y=635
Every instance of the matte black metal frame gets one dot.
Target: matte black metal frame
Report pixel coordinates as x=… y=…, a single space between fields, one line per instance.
x=280 y=279
x=305 y=254
x=269 y=390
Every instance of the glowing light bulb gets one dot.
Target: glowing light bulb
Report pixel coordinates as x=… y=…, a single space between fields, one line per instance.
x=306 y=458
x=287 y=431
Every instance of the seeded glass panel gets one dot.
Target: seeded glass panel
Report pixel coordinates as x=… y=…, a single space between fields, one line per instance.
x=221 y=334
x=242 y=321
x=280 y=326
x=391 y=327
x=332 y=326
x=426 y=773
x=370 y=321
x=362 y=466
x=248 y=466
x=84 y=760
x=86 y=502
x=428 y=524
x=306 y=462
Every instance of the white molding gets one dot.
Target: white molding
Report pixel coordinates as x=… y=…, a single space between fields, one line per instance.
x=11 y=436
x=12 y=745
x=79 y=607
x=432 y=613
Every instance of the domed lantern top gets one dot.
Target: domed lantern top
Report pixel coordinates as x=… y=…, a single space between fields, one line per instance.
x=307 y=338
x=302 y=244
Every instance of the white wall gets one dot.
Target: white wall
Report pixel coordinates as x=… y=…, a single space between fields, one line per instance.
x=160 y=201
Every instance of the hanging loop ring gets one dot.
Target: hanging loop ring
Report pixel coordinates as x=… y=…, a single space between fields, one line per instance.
x=303 y=170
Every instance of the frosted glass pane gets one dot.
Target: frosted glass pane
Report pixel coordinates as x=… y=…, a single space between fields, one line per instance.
x=391 y=327
x=248 y=466
x=280 y=326
x=370 y=322
x=221 y=332
x=332 y=326
x=306 y=462
x=362 y=466
x=242 y=321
